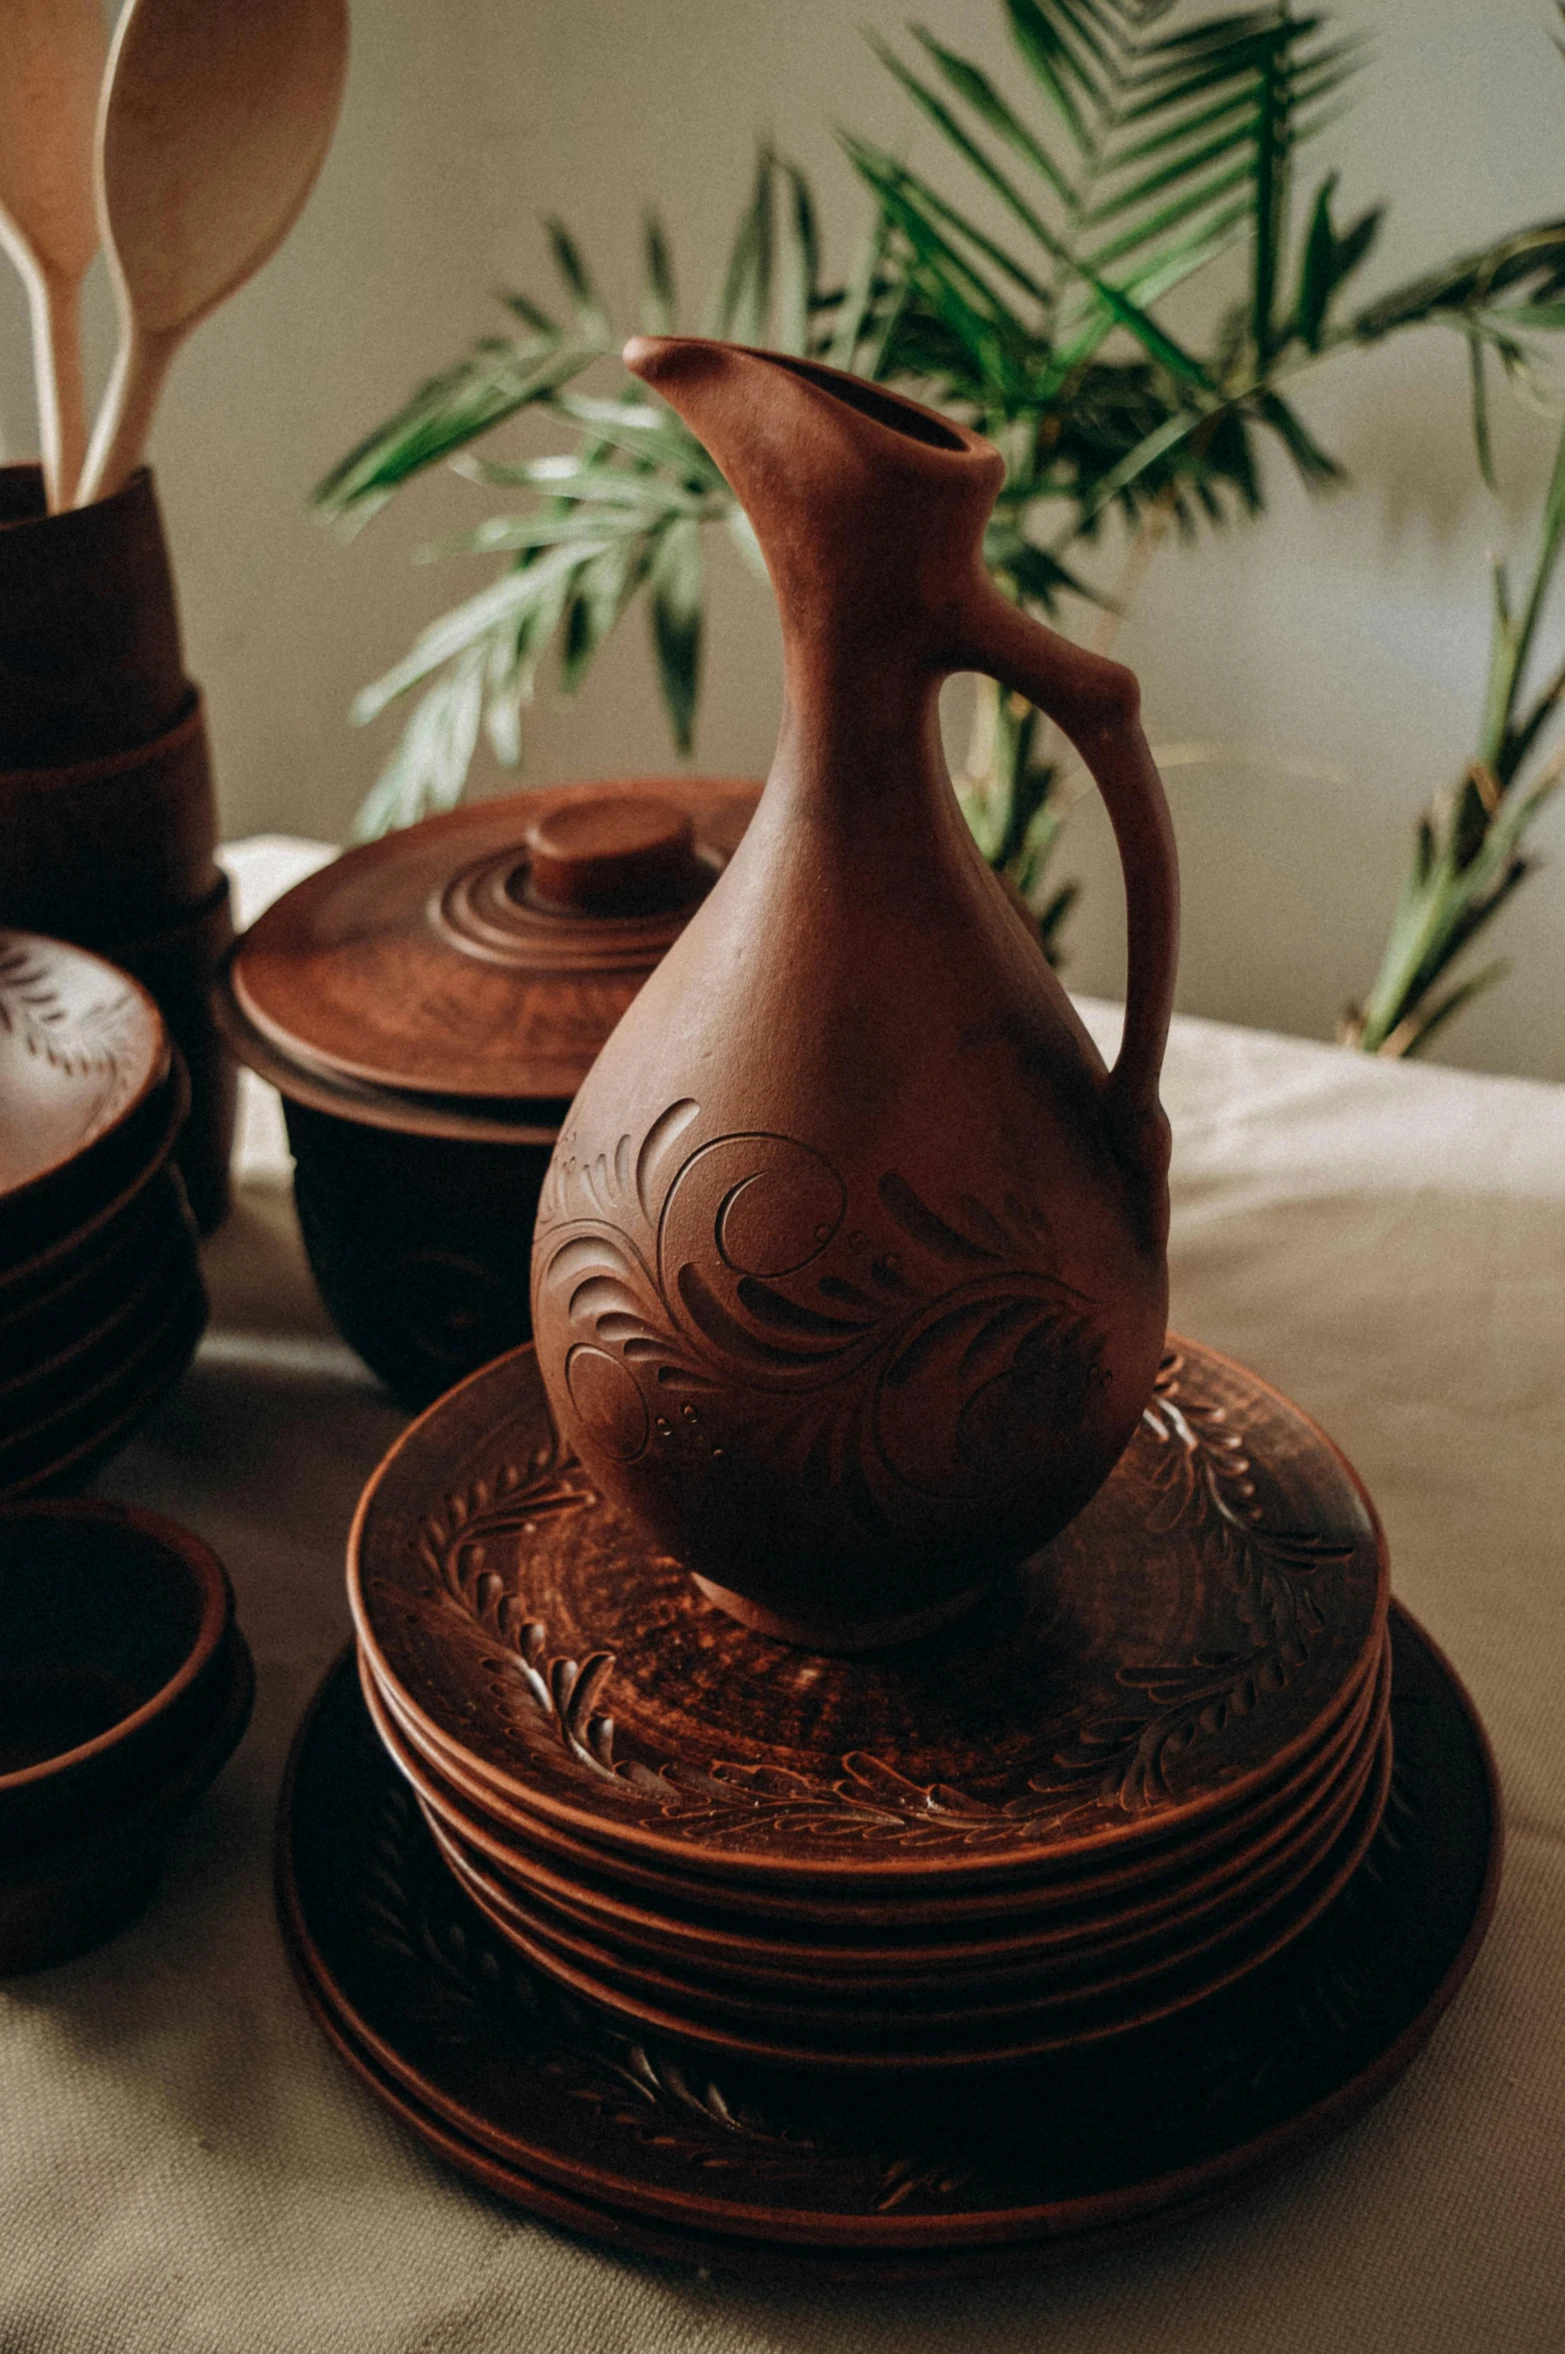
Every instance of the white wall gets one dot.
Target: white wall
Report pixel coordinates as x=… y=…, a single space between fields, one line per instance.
x=1346 y=635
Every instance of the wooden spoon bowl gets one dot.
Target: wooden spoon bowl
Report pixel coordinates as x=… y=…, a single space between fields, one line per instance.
x=215 y=122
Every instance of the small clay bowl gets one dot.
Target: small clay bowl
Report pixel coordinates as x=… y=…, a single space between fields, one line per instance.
x=89 y=647
x=114 y=1655
x=60 y=1897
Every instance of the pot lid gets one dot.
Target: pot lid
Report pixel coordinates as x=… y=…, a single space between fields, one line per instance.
x=487 y=954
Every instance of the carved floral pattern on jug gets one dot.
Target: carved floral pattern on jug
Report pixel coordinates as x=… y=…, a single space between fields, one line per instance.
x=674 y=1274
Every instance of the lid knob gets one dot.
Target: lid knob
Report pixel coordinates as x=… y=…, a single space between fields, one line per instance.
x=615 y=856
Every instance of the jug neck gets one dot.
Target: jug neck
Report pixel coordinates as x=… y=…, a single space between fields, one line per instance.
x=860 y=736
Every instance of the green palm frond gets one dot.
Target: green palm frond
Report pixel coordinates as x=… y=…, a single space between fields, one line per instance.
x=1469 y=852
x=1135 y=144
x=623 y=511
x=1131 y=149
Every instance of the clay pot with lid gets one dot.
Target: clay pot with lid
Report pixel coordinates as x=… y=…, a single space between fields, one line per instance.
x=849 y=1280
x=427 y=1006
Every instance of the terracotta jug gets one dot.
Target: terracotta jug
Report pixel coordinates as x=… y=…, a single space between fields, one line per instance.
x=848 y=1278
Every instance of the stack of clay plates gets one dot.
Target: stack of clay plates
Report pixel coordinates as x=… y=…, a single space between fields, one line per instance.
x=101 y=1304
x=1135 y=1773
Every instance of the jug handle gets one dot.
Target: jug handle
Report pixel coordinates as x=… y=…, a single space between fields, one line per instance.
x=1096 y=704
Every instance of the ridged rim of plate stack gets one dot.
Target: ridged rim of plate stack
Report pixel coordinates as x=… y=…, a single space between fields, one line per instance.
x=101 y=1302
x=1183 y=1703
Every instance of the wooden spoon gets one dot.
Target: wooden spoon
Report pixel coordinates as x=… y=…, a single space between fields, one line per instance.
x=51 y=66
x=216 y=117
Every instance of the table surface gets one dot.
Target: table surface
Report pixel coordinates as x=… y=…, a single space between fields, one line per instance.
x=184 y=2166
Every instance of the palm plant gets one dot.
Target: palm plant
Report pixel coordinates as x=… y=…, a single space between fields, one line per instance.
x=1141 y=156
x=1135 y=156
x=1468 y=846
x=625 y=510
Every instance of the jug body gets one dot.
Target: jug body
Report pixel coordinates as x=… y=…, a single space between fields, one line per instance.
x=849 y=1280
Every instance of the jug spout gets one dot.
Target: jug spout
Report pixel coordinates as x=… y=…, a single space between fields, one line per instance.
x=869 y=510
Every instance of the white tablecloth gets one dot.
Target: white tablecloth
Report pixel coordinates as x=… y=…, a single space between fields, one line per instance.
x=185 y=2169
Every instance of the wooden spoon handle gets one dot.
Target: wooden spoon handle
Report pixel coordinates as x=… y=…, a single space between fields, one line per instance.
x=1095 y=702
x=119 y=436
x=57 y=374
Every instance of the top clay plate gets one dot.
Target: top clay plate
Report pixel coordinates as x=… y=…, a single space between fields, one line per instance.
x=82 y=1046
x=1168 y=1656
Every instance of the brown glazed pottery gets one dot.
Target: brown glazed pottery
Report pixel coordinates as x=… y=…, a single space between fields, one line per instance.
x=540 y=1855
x=427 y=1006
x=112 y=1226
x=158 y=1275
x=124 y=1686
x=60 y=1448
x=1090 y=1803
x=745 y=1947
x=101 y=1304
x=106 y=802
x=897 y=2037
x=1166 y=1661
x=90 y=662
x=737 y=1939
x=84 y=1071
x=1117 y=1976
x=119 y=843
x=90 y=1282
x=636 y=2140
x=112 y=1620
x=177 y=963
x=849 y=1277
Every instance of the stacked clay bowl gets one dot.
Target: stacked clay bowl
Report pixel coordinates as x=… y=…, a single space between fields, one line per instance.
x=124 y=1686
x=1138 y=1770
x=106 y=803
x=427 y=1006
x=101 y=1304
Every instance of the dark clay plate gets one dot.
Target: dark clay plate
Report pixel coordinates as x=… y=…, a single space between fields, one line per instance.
x=751 y=1926
x=616 y=2126
x=962 y=1907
